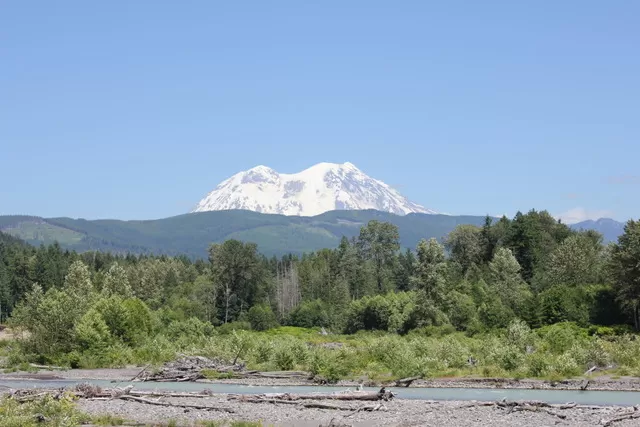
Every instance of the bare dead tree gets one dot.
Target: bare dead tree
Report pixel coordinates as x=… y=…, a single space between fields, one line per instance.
x=287 y=287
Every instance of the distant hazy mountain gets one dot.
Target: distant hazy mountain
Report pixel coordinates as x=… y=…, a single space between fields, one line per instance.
x=191 y=234
x=321 y=188
x=609 y=228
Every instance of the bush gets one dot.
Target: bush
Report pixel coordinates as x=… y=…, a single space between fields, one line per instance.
x=460 y=309
x=192 y=328
x=519 y=334
x=228 y=328
x=601 y=331
x=387 y=312
x=333 y=366
x=57 y=411
x=92 y=332
x=310 y=314
x=537 y=365
x=262 y=318
x=560 y=337
x=284 y=358
x=433 y=331
x=130 y=322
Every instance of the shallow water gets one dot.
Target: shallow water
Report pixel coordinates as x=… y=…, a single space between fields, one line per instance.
x=622 y=398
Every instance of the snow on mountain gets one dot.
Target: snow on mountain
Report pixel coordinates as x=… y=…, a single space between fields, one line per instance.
x=320 y=188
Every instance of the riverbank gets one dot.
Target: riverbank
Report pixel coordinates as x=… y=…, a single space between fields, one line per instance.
x=596 y=383
x=398 y=413
x=83 y=405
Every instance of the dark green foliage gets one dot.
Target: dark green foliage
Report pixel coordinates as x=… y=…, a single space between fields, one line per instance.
x=191 y=234
x=625 y=269
x=387 y=312
x=310 y=314
x=531 y=268
x=191 y=328
x=261 y=317
x=563 y=304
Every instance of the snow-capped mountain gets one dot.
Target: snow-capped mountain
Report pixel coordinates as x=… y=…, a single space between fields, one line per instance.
x=320 y=188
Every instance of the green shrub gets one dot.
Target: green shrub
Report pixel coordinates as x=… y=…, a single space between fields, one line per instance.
x=537 y=365
x=387 y=312
x=601 y=331
x=59 y=412
x=261 y=317
x=92 y=332
x=192 y=328
x=310 y=314
x=228 y=328
x=560 y=337
x=333 y=366
x=566 y=366
x=460 y=309
x=129 y=320
x=512 y=358
x=433 y=331
x=519 y=334
x=263 y=350
x=284 y=358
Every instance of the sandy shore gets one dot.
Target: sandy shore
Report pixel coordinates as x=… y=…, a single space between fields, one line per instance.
x=395 y=413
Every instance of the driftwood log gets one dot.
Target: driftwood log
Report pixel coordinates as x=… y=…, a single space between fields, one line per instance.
x=188 y=368
x=192 y=368
x=405 y=382
x=382 y=394
x=629 y=415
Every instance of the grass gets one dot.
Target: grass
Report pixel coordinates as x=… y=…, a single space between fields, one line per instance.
x=45 y=411
x=108 y=420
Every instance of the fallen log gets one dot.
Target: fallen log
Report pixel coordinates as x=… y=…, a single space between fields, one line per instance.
x=631 y=415
x=591 y=370
x=276 y=374
x=314 y=405
x=140 y=373
x=519 y=406
x=623 y=417
x=175 y=405
x=367 y=409
x=189 y=368
x=406 y=382
x=383 y=394
x=533 y=406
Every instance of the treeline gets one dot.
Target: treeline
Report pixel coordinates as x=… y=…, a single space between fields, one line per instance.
x=530 y=267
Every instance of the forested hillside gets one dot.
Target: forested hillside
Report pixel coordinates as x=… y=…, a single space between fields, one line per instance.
x=529 y=268
x=191 y=234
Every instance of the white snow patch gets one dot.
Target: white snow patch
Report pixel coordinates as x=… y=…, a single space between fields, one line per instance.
x=320 y=188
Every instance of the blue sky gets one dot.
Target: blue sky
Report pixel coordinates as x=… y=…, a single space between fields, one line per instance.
x=136 y=110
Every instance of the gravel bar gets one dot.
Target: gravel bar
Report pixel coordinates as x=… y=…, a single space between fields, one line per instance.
x=599 y=383
x=396 y=413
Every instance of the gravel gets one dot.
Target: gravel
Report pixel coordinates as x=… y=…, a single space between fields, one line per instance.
x=397 y=413
x=604 y=382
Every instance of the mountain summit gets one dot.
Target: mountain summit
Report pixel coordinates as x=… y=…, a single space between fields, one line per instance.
x=318 y=189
